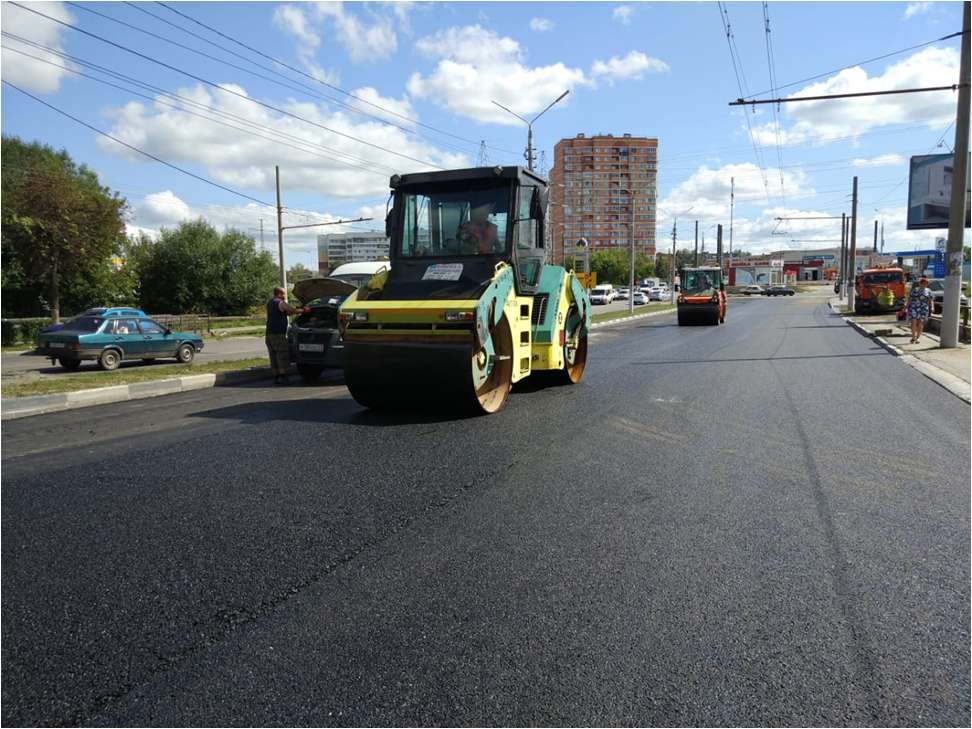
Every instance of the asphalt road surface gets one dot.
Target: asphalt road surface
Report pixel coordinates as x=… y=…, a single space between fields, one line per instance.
x=762 y=523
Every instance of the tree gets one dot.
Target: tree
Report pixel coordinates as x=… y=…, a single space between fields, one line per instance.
x=298 y=272
x=195 y=269
x=611 y=266
x=61 y=228
x=663 y=263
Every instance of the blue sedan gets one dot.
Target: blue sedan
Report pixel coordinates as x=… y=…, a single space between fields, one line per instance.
x=111 y=339
x=101 y=311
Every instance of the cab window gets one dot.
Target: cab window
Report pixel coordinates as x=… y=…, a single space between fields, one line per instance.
x=148 y=326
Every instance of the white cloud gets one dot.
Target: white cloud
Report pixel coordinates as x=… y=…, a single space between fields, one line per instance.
x=42 y=77
x=914 y=9
x=632 y=66
x=477 y=66
x=541 y=25
x=395 y=111
x=623 y=14
x=366 y=39
x=162 y=209
x=882 y=160
x=292 y=20
x=331 y=154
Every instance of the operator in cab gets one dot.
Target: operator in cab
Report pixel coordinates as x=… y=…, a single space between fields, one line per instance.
x=478 y=235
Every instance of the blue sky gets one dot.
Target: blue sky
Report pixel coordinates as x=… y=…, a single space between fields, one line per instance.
x=343 y=95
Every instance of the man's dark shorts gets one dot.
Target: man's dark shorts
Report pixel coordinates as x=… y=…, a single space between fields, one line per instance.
x=279 y=351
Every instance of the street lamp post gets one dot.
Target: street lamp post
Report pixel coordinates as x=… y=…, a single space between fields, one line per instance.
x=631 y=240
x=530 y=125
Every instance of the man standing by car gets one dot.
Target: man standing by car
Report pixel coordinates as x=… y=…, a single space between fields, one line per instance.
x=276 y=334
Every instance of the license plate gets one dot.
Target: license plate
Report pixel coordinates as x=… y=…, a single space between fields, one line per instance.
x=310 y=347
x=56 y=345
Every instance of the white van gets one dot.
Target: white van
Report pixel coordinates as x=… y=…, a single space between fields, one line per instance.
x=603 y=294
x=360 y=272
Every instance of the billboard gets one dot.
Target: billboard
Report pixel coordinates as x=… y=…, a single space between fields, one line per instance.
x=930 y=192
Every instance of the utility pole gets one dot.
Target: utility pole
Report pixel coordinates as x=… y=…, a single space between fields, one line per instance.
x=956 y=213
x=283 y=265
x=732 y=203
x=852 y=262
x=697 y=243
x=842 y=273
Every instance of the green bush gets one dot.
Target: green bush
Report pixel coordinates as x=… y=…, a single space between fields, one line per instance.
x=30 y=330
x=8 y=333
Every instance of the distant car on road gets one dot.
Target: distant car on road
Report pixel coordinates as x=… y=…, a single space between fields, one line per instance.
x=751 y=290
x=937 y=287
x=99 y=311
x=621 y=295
x=657 y=293
x=779 y=291
x=641 y=298
x=602 y=294
x=111 y=339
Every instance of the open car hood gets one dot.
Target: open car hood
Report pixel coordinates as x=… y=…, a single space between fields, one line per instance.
x=321 y=287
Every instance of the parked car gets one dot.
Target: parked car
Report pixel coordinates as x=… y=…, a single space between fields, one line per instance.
x=751 y=290
x=100 y=311
x=110 y=340
x=314 y=336
x=658 y=293
x=779 y=291
x=641 y=298
x=937 y=287
x=603 y=294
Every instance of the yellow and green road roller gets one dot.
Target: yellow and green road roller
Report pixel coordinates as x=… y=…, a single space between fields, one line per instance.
x=468 y=305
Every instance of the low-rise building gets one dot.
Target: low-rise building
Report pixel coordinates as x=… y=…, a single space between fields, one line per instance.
x=333 y=249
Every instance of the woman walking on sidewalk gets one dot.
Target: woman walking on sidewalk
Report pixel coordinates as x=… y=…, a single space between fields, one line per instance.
x=920 y=305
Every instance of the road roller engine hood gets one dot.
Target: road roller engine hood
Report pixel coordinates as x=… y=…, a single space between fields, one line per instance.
x=432 y=280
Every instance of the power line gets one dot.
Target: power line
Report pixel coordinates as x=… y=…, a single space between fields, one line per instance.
x=286 y=83
x=225 y=89
x=737 y=67
x=134 y=149
x=309 y=146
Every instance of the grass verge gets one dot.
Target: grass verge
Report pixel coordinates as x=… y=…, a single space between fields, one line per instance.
x=124 y=376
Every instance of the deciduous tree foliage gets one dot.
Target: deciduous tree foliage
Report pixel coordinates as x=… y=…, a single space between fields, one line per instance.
x=615 y=266
x=61 y=229
x=298 y=272
x=195 y=269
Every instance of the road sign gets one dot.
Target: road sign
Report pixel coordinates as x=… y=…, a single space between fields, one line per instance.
x=587 y=280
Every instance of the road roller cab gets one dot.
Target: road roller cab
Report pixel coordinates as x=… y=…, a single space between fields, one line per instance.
x=469 y=306
x=702 y=298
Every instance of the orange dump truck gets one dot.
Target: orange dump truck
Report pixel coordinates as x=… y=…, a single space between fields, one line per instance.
x=879 y=290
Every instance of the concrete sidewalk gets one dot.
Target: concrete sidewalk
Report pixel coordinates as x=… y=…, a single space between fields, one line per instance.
x=950 y=367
